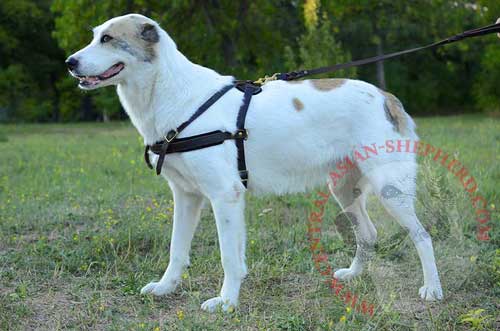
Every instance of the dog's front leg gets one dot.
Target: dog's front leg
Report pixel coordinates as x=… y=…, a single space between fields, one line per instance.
x=229 y=216
x=187 y=209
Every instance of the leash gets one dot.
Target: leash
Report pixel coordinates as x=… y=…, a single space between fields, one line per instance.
x=287 y=76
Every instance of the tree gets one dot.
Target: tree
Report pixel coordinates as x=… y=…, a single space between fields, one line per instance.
x=317 y=46
x=233 y=37
x=248 y=39
x=29 y=67
x=487 y=81
x=430 y=81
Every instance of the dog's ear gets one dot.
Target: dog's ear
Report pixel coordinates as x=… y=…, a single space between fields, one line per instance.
x=149 y=33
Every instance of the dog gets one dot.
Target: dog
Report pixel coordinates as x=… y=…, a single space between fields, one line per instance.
x=298 y=132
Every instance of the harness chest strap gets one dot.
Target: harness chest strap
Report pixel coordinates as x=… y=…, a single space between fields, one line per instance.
x=172 y=144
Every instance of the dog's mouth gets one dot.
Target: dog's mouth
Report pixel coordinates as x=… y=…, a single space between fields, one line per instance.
x=91 y=81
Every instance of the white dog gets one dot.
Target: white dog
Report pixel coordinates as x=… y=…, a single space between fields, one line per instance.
x=298 y=132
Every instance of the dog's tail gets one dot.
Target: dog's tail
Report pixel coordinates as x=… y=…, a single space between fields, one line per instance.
x=397 y=115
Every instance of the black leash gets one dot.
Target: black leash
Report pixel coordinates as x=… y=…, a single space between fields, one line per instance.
x=489 y=29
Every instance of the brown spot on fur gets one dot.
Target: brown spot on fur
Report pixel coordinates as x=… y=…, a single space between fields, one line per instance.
x=295 y=81
x=327 y=84
x=395 y=113
x=297 y=104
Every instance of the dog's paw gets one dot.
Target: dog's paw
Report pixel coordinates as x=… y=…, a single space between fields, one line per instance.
x=431 y=293
x=211 y=305
x=346 y=274
x=158 y=288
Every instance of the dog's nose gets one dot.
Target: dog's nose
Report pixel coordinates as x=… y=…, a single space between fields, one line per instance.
x=72 y=63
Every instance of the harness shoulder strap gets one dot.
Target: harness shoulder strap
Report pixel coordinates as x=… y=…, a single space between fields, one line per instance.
x=213 y=99
x=174 y=133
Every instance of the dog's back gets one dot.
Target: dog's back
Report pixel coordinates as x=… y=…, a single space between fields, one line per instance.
x=300 y=130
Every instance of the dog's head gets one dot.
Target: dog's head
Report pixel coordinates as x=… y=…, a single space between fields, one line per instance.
x=120 y=47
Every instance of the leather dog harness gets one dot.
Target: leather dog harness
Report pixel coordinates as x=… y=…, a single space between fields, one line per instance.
x=171 y=144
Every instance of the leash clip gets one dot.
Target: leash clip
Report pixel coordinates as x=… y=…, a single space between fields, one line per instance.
x=265 y=79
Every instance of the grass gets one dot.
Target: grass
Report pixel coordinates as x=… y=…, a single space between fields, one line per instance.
x=84 y=225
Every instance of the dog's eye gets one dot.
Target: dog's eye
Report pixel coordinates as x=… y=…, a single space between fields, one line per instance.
x=105 y=38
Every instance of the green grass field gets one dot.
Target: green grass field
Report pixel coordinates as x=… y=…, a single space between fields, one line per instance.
x=84 y=225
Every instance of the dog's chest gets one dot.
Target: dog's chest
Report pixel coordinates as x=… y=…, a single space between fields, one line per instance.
x=176 y=170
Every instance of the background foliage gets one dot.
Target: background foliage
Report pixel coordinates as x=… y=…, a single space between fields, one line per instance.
x=251 y=38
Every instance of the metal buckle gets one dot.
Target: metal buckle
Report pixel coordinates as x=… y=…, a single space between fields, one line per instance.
x=241 y=134
x=243 y=175
x=171 y=136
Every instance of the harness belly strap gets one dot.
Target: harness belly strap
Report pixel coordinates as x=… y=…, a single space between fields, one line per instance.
x=172 y=144
x=249 y=91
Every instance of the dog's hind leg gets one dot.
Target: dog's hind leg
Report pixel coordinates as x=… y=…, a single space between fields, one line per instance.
x=187 y=210
x=351 y=195
x=396 y=189
x=229 y=216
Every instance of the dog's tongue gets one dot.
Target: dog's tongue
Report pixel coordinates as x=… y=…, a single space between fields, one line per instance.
x=111 y=71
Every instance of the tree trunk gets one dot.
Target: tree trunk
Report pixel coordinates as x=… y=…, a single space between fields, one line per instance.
x=380 y=66
x=55 y=98
x=105 y=116
x=87 y=108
